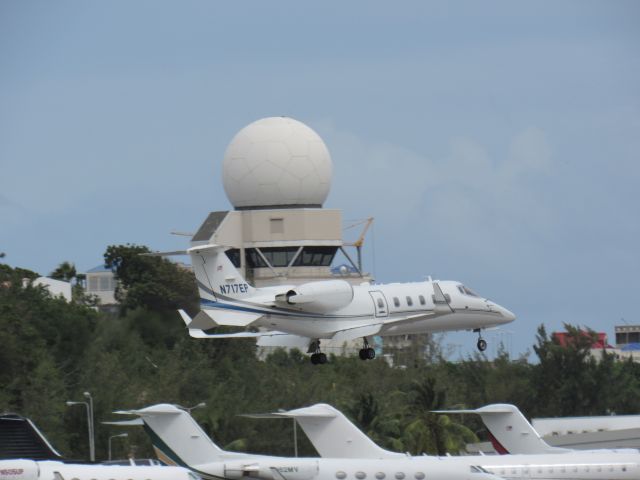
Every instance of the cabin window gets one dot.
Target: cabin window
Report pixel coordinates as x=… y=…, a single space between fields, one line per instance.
x=470 y=292
x=419 y=476
x=380 y=475
x=409 y=301
x=380 y=303
x=277 y=225
x=399 y=476
x=340 y=475
x=361 y=475
x=396 y=301
x=422 y=300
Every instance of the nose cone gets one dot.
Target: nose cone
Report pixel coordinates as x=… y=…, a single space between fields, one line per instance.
x=507 y=315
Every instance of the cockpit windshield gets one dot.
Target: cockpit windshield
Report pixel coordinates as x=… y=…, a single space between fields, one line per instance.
x=467 y=291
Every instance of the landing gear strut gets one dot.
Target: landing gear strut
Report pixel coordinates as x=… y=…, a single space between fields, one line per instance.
x=317 y=357
x=482 y=343
x=366 y=352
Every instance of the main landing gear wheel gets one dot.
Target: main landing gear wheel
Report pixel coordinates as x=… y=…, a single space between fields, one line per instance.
x=318 y=358
x=367 y=353
x=482 y=344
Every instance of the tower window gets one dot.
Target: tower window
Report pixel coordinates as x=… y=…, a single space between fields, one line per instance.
x=277 y=225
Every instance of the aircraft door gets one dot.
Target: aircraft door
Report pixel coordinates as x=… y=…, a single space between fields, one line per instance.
x=379 y=303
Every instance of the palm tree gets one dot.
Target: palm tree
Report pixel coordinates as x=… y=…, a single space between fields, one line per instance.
x=66 y=271
x=430 y=432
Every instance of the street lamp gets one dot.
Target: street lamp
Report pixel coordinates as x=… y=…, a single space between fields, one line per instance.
x=115 y=436
x=93 y=432
x=89 y=407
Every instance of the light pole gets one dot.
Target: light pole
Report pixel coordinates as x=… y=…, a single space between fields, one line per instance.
x=89 y=407
x=115 y=436
x=93 y=432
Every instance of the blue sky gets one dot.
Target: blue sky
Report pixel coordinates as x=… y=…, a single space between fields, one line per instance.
x=496 y=143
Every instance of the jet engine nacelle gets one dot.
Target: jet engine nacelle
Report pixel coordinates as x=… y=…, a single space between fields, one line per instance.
x=18 y=470
x=271 y=471
x=325 y=295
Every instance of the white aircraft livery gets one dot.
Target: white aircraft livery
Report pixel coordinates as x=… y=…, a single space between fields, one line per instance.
x=511 y=432
x=334 y=310
x=334 y=436
x=21 y=469
x=179 y=439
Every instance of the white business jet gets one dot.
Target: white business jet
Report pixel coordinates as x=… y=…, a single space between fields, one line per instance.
x=178 y=439
x=511 y=432
x=334 y=436
x=331 y=310
x=22 y=469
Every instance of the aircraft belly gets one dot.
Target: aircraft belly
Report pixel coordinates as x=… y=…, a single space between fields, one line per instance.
x=452 y=321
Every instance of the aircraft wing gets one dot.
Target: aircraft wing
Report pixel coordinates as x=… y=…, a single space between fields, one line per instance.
x=372 y=329
x=357 y=332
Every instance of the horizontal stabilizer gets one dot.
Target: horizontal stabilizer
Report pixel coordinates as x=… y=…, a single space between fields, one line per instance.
x=160 y=409
x=232 y=318
x=207 y=319
x=201 y=334
x=314 y=411
x=126 y=423
x=202 y=321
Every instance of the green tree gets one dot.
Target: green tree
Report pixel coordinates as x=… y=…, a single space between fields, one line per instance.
x=566 y=376
x=430 y=432
x=149 y=282
x=65 y=271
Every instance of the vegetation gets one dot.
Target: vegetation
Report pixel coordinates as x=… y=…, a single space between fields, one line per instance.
x=54 y=351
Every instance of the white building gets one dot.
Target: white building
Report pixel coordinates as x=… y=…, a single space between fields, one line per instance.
x=57 y=288
x=101 y=282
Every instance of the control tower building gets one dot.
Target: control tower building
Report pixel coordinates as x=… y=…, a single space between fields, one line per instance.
x=277 y=174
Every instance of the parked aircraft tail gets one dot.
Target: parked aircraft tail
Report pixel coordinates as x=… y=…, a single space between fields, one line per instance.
x=177 y=437
x=510 y=430
x=332 y=434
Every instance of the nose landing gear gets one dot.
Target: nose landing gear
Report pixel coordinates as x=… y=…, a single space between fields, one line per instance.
x=366 y=352
x=482 y=343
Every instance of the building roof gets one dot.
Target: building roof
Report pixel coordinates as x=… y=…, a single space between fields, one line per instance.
x=600 y=341
x=99 y=269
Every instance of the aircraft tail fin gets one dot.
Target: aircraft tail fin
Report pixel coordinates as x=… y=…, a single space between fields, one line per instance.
x=216 y=275
x=332 y=434
x=177 y=436
x=510 y=431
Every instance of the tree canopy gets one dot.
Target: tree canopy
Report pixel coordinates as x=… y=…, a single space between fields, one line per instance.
x=54 y=351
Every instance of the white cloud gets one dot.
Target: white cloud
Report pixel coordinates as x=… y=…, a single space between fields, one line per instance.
x=471 y=199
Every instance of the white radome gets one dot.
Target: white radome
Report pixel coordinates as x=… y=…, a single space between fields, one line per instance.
x=276 y=161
